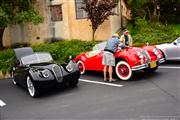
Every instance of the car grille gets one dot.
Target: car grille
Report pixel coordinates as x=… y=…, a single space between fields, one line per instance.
x=146 y=54
x=57 y=73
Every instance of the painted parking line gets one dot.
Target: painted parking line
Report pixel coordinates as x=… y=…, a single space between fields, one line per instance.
x=102 y=83
x=169 y=67
x=2 y=103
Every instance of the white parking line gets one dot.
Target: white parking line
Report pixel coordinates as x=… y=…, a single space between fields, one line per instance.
x=2 y=103
x=169 y=67
x=102 y=83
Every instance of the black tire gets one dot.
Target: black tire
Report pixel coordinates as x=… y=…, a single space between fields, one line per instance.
x=123 y=70
x=31 y=87
x=163 y=55
x=73 y=83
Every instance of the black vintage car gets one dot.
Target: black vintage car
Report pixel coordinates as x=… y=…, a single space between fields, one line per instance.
x=37 y=70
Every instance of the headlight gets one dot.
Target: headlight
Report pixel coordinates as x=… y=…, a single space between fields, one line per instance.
x=69 y=67
x=45 y=73
x=155 y=51
x=140 y=55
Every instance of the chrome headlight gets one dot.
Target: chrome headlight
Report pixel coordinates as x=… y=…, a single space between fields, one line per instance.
x=155 y=51
x=140 y=55
x=69 y=67
x=45 y=73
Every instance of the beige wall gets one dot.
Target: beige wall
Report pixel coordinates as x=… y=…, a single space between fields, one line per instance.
x=28 y=33
x=72 y=28
x=69 y=28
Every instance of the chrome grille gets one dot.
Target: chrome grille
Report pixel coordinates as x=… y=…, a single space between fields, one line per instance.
x=57 y=73
x=146 y=54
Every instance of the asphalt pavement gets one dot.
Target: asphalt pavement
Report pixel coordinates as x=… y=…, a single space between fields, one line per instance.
x=146 y=97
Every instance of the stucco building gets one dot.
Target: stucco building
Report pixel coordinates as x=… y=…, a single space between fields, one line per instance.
x=63 y=19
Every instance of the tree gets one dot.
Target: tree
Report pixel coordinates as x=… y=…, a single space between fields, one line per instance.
x=17 y=12
x=144 y=9
x=98 y=11
x=154 y=10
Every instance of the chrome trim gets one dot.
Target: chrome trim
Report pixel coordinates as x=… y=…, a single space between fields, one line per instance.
x=161 y=60
x=146 y=54
x=57 y=73
x=139 y=67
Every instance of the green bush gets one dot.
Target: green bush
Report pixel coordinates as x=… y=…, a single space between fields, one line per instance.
x=60 y=52
x=6 y=60
x=153 y=33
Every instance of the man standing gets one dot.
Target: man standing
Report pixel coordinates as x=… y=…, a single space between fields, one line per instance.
x=126 y=38
x=108 y=57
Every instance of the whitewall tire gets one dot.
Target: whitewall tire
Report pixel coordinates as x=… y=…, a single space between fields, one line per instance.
x=31 y=88
x=81 y=67
x=13 y=80
x=123 y=70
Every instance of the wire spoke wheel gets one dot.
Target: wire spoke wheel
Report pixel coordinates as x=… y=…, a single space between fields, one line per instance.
x=30 y=87
x=13 y=80
x=81 y=67
x=123 y=70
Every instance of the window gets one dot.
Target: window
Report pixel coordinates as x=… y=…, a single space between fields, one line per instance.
x=80 y=13
x=56 y=12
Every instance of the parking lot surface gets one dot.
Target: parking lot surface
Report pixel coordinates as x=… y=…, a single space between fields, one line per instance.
x=146 y=96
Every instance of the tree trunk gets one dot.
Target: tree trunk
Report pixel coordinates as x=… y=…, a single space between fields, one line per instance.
x=93 y=35
x=1 y=37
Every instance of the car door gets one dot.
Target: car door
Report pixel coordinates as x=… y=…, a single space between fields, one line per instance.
x=95 y=62
x=173 y=51
x=20 y=73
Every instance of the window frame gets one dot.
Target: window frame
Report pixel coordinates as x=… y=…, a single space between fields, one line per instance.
x=76 y=10
x=56 y=19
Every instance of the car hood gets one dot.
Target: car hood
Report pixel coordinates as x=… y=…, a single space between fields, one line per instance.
x=43 y=66
x=161 y=46
x=132 y=50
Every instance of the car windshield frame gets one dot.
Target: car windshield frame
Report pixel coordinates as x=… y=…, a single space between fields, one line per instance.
x=36 y=58
x=100 y=46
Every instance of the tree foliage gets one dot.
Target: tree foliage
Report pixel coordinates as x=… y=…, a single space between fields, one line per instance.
x=155 y=10
x=98 y=11
x=17 y=12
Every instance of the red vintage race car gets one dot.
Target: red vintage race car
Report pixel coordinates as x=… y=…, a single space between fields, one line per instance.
x=128 y=59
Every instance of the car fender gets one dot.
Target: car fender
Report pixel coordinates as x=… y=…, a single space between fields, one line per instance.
x=129 y=58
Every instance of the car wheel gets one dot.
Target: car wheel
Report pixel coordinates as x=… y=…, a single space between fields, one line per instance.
x=31 y=87
x=74 y=83
x=13 y=80
x=123 y=70
x=163 y=54
x=81 y=67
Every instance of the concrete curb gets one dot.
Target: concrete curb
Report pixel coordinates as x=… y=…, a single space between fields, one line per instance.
x=4 y=76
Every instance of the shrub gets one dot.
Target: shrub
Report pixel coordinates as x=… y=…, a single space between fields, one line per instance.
x=6 y=60
x=153 y=33
x=60 y=52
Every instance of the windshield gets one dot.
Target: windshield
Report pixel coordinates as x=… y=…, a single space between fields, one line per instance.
x=178 y=40
x=36 y=58
x=100 y=46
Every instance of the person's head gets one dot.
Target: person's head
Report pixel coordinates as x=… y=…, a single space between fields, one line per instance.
x=126 y=32
x=115 y=35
